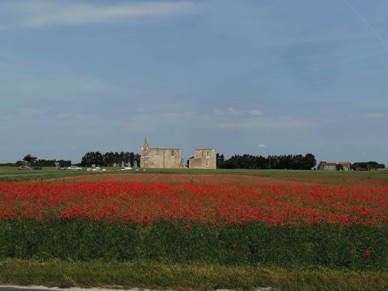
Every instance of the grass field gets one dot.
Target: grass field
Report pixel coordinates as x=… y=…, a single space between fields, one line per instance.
x=51 y=172
x=194 y=229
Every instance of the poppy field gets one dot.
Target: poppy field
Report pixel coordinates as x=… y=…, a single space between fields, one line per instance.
x=335 y=223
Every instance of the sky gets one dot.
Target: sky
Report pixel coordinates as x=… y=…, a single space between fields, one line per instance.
x=259 y=77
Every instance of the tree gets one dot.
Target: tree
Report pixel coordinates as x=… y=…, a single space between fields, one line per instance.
x=108 y=159
x=339 y=167
x=131 y=159
x=246 y=161
x=261 y=162
x=138 y=160
x=367 y=166
x=219 y=160
x=308 y=162
x=30 y=159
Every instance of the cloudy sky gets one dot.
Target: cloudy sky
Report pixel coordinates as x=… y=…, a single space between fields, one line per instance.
x=244 y=77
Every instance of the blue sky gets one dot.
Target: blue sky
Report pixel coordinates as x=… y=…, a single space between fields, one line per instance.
x=244 y=77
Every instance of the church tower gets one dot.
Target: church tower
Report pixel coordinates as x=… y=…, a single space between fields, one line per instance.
x=144 y=154
x=145 y=145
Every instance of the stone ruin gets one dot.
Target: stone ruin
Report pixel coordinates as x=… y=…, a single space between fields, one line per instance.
x=170 y=158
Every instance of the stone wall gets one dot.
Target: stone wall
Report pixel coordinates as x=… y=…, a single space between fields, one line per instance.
x=203 y=159
x=164 y=158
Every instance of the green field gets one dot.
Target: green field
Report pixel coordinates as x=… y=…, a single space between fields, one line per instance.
x=12 y=173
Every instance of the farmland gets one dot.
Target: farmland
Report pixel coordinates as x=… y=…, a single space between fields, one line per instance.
x=307 y=224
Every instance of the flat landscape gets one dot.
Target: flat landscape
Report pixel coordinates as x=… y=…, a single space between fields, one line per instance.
x=195 y=230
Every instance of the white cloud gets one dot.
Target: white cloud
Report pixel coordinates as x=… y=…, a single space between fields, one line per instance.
x=218 y=112
x=229 y=112
x=237 y=119
x=232 y=111
x=255 y=112
x=219 y=119
x=254 y=123
x=375 y=115
x=46 y=13
x=30 y=111
x=176 y=116
x=261 y=146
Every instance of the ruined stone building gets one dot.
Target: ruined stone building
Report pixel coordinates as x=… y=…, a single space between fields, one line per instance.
x=203 y=159
x=165 y=158
x=170 y=158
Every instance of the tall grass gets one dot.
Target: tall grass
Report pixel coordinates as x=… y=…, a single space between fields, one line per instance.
x=250 y=244
x=178 y=276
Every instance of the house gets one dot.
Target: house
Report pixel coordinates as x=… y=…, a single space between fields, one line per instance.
x=331 y=166
x=327 y=166
x=164 y=158
x=203 y=159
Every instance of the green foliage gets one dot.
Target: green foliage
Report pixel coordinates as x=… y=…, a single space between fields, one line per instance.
x=339 y=167
x=110 y=158
x=359 y=247
x=246 y=161
x=367 y=166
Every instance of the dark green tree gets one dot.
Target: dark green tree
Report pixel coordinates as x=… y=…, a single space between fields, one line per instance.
x=30 y=159
x=219 y=160
x=339 y=167
x=308 y=162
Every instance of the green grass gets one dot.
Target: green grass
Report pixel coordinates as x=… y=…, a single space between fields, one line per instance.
x=164 y=256
x=13 y=174
x=176 y=276
x=248 y=244
x=8 y=174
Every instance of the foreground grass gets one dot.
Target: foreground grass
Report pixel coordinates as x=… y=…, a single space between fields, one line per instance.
x=153 y=275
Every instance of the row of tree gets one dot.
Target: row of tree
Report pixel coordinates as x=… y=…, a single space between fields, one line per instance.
x=367 y=166
x=246 y=161
x=110 y=159
x=34 y=161
x=89 y=159
x=295 y=162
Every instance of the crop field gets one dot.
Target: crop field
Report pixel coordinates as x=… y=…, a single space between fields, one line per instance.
x=294 y=221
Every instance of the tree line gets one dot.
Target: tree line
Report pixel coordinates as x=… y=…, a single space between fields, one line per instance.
x=110 y=159
x=31 y=160
x=367 y=166
x=247 y=161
